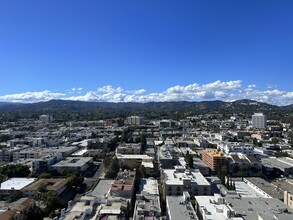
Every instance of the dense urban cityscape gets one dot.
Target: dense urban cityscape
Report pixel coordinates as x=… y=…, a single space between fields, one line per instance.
x=206 y=166
x=146 y=110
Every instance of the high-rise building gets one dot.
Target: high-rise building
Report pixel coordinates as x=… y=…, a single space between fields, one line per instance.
x=46 y=118
x=214 y=159
x=259 y=120
x=134 y=120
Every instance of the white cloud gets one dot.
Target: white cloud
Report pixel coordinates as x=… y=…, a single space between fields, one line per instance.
x=218 y=90
x=76 y=90
x=45 y=95
x=137 y=92
x=110 y=89
x=269 y=86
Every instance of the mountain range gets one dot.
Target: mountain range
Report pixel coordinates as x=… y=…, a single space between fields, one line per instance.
x=133 y=108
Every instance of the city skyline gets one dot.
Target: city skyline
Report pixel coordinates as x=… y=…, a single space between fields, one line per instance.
x=142 y=51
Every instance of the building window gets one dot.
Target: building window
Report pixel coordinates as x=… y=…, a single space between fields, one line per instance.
x=178 y=188
x=169 y=188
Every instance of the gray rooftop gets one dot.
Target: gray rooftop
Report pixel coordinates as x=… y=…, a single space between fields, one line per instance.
x=249 y=208
x=102 y=188
x=178 y=210
x=268 y=188
x=280 y=163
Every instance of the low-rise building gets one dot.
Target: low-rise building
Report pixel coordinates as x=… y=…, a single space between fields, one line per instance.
x=180 y=207
x=265 y=188
x=236 y=208
x=15 y=184
x=123 y=185
x=14 y=209
x=201 y=166
x=282 y=165
x=242 y=165
x=235 y=147
x=128 y=148
x=180 y=179
x=55 y=185
x=147 y=203
x=288 y=198
x=74 y=164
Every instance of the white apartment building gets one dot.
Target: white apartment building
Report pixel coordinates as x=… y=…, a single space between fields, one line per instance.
x=134 y=120
x=147 y=204
x=178 y=180
x=259 y=120
x=235 y=147
x=128 y=148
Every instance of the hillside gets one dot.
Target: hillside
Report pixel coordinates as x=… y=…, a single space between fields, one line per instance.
x=77 y=110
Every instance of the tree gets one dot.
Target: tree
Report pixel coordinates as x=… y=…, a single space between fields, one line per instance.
x=42 y=188
x=142 y=172
x=34 y=213
x=275 y=140
x=189 y=159
x=143 y=142
x=51 y=201
x=113 y=168
x=235 y=169
x=281 y=154
x=222 y=173
x=15 y=195
x=45 y=176
x=254 y=140
x=4 y=137
x=74 y=181
x=15 y=170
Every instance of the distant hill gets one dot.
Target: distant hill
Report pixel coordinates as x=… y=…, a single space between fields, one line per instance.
x=60 y=108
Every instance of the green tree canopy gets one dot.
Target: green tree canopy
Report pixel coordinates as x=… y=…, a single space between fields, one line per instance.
x=15 y=170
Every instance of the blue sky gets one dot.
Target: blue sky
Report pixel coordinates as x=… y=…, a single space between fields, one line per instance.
x=144 y=50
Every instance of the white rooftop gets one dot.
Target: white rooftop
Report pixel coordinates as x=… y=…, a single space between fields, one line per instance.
x=150 y=186
x=80 y=152
x=16 y=183
x=214 y=210
x=147 y=164
x=176 y=178
x=134 y=156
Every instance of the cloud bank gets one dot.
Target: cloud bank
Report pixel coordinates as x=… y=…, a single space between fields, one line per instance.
x=29 y=97
x=218 y=90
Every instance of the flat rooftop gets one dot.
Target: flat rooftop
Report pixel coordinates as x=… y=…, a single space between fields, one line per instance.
x=147 y=164
x=16 y=183
x=177 y=210
x=176 y=178
x=249 y=208
x=51 y=184
x=214 y=153
x=134 y=156
x=149 y=185
x=245 y=191
x=281 y=163
x=266 y=187
x=212 y=208
x=80 y=152
x=73 y=162
x=102 y=189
